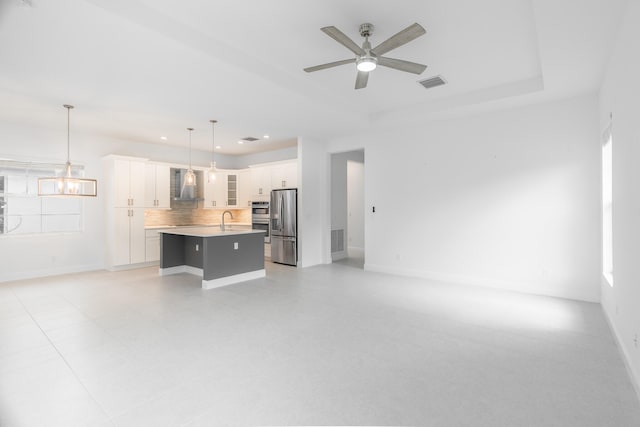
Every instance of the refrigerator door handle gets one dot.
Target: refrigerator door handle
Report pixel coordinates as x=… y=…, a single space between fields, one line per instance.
x=281 y=210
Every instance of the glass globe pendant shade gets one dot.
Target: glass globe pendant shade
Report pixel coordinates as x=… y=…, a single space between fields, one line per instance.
x=211 y=173
x=190 y=178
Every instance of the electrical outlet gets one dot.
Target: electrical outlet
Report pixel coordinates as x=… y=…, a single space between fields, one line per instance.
x=635 y=340
x=197 y=247
x=235 y=246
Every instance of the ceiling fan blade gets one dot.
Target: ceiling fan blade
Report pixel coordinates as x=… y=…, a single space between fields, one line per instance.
x=399 y=64
x=329 y=65
x=403 y=37
x=362 y=79
x=343 y=39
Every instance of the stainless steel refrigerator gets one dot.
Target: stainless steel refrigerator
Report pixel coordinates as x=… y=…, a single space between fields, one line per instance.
x=284 y=226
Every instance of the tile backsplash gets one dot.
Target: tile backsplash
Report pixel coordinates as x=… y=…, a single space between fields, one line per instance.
x=158 y=217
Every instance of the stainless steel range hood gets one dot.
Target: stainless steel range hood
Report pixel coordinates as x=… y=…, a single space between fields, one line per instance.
x=185 y=196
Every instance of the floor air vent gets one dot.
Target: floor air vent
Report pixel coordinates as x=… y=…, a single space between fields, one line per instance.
x=337 y=240
x=249 y=139
x=432 y=82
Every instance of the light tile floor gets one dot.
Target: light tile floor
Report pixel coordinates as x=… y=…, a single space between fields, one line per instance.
x=327 y=345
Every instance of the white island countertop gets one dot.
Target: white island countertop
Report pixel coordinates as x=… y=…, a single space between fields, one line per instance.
x=208 y=231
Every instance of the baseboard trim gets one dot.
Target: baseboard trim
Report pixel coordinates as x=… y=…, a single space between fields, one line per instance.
x=236 y=278
x=521 y=286
x=50 y=272
x=626 y=357
x=180 y=269
x=337 y=256
x=132 y=266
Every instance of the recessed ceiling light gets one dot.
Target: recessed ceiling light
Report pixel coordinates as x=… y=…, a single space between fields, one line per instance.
x=218 y=147
x=265 y=136
x=241 y=142
x=164 y=138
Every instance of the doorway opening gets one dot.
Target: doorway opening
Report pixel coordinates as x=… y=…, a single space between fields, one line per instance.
x=347 y=208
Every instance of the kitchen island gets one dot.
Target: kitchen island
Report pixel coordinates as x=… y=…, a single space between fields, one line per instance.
x=220 y=257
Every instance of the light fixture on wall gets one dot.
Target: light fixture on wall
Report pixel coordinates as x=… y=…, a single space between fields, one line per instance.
x=67 y=184
x=190 y=176
x=211 y=175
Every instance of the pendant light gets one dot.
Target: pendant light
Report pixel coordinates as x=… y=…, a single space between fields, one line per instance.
x=67 y=185
x=190 y=176
x=211 y=174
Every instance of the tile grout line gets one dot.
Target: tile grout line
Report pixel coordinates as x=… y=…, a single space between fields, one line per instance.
x=63 y=358
x=110 y=418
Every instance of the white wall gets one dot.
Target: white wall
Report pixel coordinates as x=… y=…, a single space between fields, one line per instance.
x=508 y=199
x=265 y=157
x=355 y=207
x=620 y=95
x=313 y=203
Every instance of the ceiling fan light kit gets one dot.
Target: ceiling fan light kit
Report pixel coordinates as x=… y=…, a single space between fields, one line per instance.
x=367 y=59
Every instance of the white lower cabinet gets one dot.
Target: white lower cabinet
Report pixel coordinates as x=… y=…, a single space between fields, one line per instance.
x=152 y=245
x=128 y=239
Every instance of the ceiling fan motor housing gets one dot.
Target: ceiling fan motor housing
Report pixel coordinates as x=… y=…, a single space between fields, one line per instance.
x=366 y=29
x=368 y=61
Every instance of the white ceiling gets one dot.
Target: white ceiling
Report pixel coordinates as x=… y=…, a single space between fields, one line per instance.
x=141 y=69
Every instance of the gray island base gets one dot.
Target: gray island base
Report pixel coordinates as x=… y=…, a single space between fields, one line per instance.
x=221 y=258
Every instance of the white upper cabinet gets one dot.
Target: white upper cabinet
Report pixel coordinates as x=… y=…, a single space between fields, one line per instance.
x=215 y=192
x=260 y=181
x=157 y=181
x=129 y=183
x=244 y=189
x=284 y=175
x=272 y=176
x=232 y=189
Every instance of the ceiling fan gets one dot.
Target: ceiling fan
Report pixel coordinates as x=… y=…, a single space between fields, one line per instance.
x=367 y=58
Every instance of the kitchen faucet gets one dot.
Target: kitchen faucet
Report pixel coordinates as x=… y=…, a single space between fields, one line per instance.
x=222 y=225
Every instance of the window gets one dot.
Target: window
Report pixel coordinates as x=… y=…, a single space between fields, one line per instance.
x=607 y=205
x=23 y=212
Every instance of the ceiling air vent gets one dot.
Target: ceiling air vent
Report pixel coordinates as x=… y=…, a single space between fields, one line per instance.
x=249 y=139
x=432 y=82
